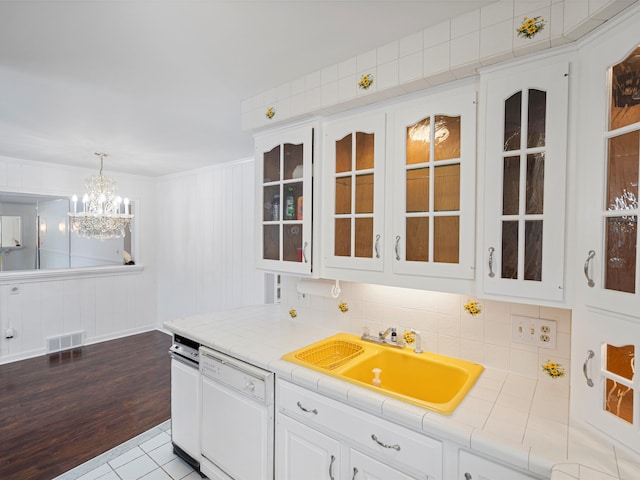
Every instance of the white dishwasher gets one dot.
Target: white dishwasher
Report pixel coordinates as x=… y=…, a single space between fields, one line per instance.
x=237 y=418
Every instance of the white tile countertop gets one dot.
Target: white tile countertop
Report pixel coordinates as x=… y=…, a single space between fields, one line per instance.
x=520 y=420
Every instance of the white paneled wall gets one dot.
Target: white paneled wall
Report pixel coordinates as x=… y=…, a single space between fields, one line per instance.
x=104 y=307
x=206 y=241
x=445 y=326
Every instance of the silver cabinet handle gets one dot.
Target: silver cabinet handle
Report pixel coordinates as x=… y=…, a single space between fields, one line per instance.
x=355 y=472
x=396 y=248
x=377 y=246
x=306 y=410
x=590 y=281
x=304 y=252
x=384 y=445
x=333 y=459
x=590 y=355
x=467 y=476
x=491 y=250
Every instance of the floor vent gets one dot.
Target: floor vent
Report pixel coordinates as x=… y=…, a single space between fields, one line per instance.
x=64 y=342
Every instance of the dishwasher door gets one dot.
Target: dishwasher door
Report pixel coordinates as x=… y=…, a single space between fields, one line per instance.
x=237 y=419
x=185 y=408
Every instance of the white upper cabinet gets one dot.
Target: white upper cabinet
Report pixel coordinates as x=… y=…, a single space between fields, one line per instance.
x=609 y=153
x=398 y=191
x=284 y=163
x=353 y=192
x=525 y=148
x=434 y=167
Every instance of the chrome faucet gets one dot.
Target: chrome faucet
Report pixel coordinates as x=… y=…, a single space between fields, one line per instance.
x=383 y=335
x=383 y=338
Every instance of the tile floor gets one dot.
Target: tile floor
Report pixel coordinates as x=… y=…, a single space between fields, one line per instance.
x=148 y=456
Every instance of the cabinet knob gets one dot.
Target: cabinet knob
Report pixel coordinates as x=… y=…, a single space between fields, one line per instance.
x=467 y=476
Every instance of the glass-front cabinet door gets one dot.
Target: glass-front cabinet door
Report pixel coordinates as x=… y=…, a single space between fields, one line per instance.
x=284 y=163
x=610 y=253
x=434 y=186
x=525 y=121
x=607 y=386
x=354 y=151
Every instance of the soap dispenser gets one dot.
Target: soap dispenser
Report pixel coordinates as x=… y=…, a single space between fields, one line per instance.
x=376 y=377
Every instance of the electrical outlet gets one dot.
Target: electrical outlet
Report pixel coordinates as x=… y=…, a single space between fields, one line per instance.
x=533 y=331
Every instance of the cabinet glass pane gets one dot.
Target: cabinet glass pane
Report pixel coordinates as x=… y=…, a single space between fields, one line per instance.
x=619 y=400
x=537 y=114
x=364 y=193
x=417 y=236
x=620 y=244
x=292 y=243
x=364 y=150
x=622 y=196
x=343 y=195
x=271 y=165
x=292 y=192
x=535 y=183
x=446 y=188
x=446 y=143
x=293 y=156
x=271 y=203
x=343 y=155
x=512 y=122
x=509 y=250
x=533 y=250
x=511 y=186
x=364 y=237
x=419 y=142
x=622 y=171
x=446 y=239
x=418 y=190
x=342 y=241
x=625 y=92
x=271 y=242
x=620 y=360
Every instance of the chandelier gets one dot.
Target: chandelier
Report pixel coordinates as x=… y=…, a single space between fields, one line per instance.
x=104 y=214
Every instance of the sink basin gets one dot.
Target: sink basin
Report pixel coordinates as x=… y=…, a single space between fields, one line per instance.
x=435 y=382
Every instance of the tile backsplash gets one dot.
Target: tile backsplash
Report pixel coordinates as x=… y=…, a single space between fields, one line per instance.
x=445 y=326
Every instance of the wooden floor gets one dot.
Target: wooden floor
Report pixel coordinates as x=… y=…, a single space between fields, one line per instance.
x=58 y=411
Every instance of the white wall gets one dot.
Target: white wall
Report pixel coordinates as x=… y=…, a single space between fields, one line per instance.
x=104 y=306
x=205 y=241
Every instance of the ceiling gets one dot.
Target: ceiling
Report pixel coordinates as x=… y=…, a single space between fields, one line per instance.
x=158 y=84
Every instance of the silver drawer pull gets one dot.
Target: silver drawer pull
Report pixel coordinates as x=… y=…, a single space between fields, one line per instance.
x=590 y=256
x=590 y=355
x=491 y=250
x=384 y=445
x=333 y=459
x=355 y=472
x=306 y=410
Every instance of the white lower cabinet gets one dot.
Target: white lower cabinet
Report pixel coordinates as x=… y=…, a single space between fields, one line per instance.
x=473 y=467
x=321 y=438
x=303 y=452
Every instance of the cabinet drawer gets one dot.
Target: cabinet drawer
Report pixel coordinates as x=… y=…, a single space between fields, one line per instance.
x=385 y=441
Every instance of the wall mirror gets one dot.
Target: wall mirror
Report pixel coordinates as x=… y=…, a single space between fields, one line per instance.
x=35 y=236
x=10 y=231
